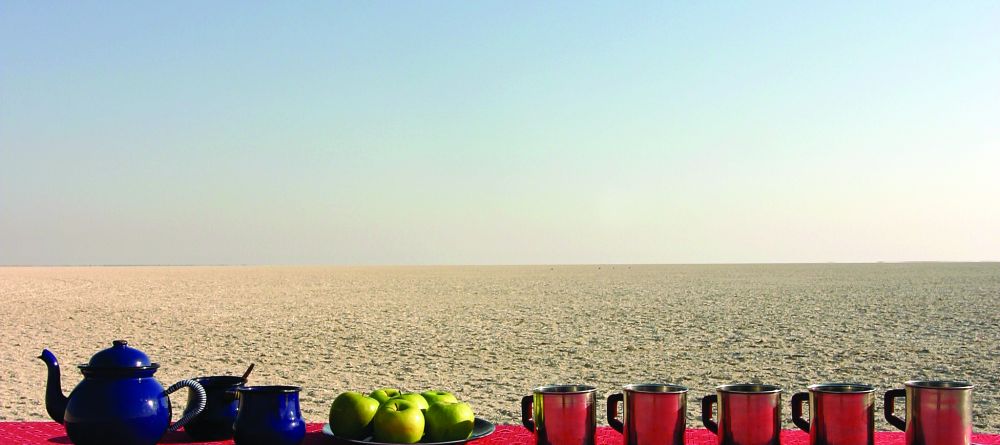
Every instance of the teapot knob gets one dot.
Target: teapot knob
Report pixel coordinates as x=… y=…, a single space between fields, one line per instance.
x=120 y=343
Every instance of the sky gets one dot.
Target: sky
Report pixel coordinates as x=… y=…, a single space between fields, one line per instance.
x=498 y=132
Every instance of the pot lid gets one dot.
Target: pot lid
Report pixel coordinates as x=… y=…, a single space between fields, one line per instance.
x=119 y=355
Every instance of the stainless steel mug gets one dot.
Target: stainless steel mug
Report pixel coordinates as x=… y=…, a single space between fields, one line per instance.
x=937 y=412
x=561 y=414
x=652 y=414
x=749 y=414
x=839 y=414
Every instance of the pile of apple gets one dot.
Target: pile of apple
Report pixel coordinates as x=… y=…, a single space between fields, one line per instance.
x=393 y=417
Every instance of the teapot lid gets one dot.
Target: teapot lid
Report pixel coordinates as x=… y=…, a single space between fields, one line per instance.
x=120 y=355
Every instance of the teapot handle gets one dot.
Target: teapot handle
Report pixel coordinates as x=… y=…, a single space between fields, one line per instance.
x=190 y=411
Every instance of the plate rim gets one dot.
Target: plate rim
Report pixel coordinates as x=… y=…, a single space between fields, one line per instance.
x=491 y=428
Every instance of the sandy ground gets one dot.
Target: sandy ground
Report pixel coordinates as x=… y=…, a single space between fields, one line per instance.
x=490 y=334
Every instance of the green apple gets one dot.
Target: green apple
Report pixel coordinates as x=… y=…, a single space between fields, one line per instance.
x=399 y=421
x=415 y=398
x=384 y=394
x=433 y=397
x=449 y=421
x=351 y=415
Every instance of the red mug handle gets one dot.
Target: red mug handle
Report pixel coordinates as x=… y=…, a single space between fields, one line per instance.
x=613 y=401
x=706 y=412
x=890 y=406
x=527 y=405
x=797 y=400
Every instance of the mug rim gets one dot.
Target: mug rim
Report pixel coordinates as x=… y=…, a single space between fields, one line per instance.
x=220 y=380
x=671 y=388
x=737 y=388
x=564 y=389
x=269 y=389
x=852 y=388
x=939 y=384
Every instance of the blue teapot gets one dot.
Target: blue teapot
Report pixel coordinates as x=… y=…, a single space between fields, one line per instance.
x=118 y=402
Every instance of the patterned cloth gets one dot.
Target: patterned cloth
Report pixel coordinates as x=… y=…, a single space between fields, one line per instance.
x=30 y=433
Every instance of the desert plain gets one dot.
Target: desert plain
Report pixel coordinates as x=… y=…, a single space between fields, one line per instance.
x=492 y=333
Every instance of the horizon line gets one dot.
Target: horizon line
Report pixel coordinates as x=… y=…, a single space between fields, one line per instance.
x=778 y=263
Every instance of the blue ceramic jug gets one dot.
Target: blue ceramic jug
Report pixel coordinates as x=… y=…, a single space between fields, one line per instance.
x=118 y=402
x=216 y=421
x=268 y=415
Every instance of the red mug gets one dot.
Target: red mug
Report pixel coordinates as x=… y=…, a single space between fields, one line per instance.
x=561 y=414
x=937 y=412
x=652 y=414
x=749 y=414
x=839 y=414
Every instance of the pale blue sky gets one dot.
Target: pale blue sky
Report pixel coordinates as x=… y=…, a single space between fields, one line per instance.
x=498 y=132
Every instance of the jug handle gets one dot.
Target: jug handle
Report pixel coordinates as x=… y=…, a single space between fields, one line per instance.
x=189 y=413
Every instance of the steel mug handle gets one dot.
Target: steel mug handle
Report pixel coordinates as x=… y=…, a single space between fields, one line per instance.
x=890 y=406
x=199 y=402
x=527 y=405
x=706 y=412
x=797 y=400
x=613 y=401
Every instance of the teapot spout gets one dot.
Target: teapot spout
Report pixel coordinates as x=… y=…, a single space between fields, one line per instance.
x=55 y=401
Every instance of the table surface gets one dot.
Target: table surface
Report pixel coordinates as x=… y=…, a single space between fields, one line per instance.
x=29 y=433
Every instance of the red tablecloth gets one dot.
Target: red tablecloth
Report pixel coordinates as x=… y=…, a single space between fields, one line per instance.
x=28 y=433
